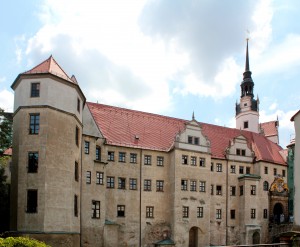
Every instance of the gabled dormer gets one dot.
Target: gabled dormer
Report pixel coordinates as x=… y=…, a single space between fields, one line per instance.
x=239 y=150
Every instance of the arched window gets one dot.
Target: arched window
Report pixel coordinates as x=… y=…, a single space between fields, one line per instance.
x=266 y=186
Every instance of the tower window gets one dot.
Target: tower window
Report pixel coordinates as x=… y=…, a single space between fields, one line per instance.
x=75 y=205
x=33 y=162
x=77 y=136
x=32 y=200
x=35 y=90
x=78 y=105
x=246 y=125
x=76 y=171
x=98 y=153
x=86 y=147
x=232 y=214
x=34 y=124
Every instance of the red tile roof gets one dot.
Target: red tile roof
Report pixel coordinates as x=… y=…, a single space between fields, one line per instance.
x=8 y=152
x=270 y=128
x=52 y=67
x=155 y=132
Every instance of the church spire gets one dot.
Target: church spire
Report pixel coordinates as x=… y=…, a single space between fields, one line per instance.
x=247 y=67
x=247 y=84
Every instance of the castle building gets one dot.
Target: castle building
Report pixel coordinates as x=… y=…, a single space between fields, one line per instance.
x=88 y=174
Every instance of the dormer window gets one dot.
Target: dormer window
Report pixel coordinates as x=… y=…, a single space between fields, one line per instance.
x=240 y=152
x=193 y=140
x=190 y=139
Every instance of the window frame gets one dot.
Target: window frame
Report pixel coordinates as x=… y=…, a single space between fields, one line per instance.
x=160 y=161
x=95 y=209
x=35 y=89
x=99 y=178
x=219 y=167
x=110 y=156
x=122 y=157
x=193 y=185
x=133 y=158
x=149 y=212
x=32 y=167
x=232 y=214
x=121 y=183
x=75 y=205
x=233 y=190
x=110 y=182
x=184 y=159
x=132 y=183
x=253 y=213
x=253 y=190
x=98 y=153
x=76 y=171
x=147 y=160
x=233 y=169
x=88 y=177
x=193 y=161
x=200 y=212
x=218 y=214
x=218 y=190
x=147 y=184
x=202 y=162
x=120 y=210
x=34 y=123
x=185 y=212
x=32 y=201
x=86 y=147
x=159 y=185
x=202 y=186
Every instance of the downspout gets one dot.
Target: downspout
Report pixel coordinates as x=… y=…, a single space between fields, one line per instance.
x=80 y=190
x=140 y=238
x=226 y=201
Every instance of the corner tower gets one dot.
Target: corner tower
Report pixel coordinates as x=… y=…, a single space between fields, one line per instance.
x=247 y=110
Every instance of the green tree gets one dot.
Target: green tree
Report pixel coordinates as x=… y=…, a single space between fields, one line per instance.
x=5 y=130
x=21 y=242
x=4 y=196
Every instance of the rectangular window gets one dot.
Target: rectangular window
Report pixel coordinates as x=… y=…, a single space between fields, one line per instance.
x=185 y=212
x=241 y=190
x=190 y=139
x=99 y=178
x=232 y=168
x=78 y=105
x=149 y=212
x=110 y=156
x=184 y=160
x=32 y=201
x=133 y=158
x=184 y=183
x=110 y=182
x=247 y=170
x=241 y=171
x=265 y=213
x=121 y=210
x=283 y=173
x=193 y=185
x=202 y=162
x=266 y=170
x=75 y=205
x=98 y=153
x=132 y=183
x=212 y=189
x=196 y=140
x=95 y=209
x=86 y=147
x=77 y=136
x=147 y=160
x=122 y=157
x=34 y=124
x=253 y=213
x=88 y=177
x=275 y=171
x=35 y=90
x=240 y=152
x=160 y=185
x=76 y=172
x=232 y=214
x=147 y=185
x=219 y=167
x=219 y=214
x=253 y=190
x=211 y=166
x=219 y=190
x=232 y=190
x=33 y=162
x=160 y=161
x=246 y=125
x=193 y=161
x=122 y=183
x=199 y=212
x=202 y=186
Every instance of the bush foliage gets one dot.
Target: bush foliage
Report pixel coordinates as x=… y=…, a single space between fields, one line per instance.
x=21 y=242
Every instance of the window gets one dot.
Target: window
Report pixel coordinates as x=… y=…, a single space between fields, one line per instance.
x=219 y=214
x=275 y=171
x=95 y=209
x=122 y=157
x=266 y=186
x=241 y=171
x=193 y=161
x=232 y=190
x=147 y=185
x=266 y=170
x=76 y=171
x=149 y=212
x=202 y=162
x=232 y=214
x=98 y=153
x=159 y=185
x=110 y=182
x=218 y=190
x=77 y=136
x=147 y=159
x=33 y=162
x=110 y=156
x=185 y=212
x=253 y=190
x=122 y=183
x=199 y=212
x=99 y=177
x=75 y=205
x=34 y=124
x=240 y=152
x=193 y=185
x=160 y=161
x=241 y=190
x=211 y=166
x=32 y=201
x=184 y=183
x=184 y=159
x=121 y=210
x=190 y=139
x=247 y=170
x=253 y=213
x=35 y=90
x=232 y=168
x=86 y=147
x=132 y=183
x=283 y=173
x=88 y=177
x=212 y=189
x=219 y=167
x=202 y=186
x=78 y=105
x=133 y=158
x=196 y=140
x=265 y=213
x=246 y=125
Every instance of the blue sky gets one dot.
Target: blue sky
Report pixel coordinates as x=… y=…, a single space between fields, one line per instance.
x=169 y=57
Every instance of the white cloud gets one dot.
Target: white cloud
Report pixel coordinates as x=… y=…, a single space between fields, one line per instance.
x=273 y=106
x=2 y=79
x=6 y=100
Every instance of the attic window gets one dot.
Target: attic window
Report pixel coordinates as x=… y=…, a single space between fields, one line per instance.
x=240 y=152
x=193 y=140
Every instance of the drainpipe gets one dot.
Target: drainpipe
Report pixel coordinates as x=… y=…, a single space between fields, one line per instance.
x=226 y=220
x=140 y=239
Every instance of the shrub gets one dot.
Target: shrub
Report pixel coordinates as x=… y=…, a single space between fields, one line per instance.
x=21 y=242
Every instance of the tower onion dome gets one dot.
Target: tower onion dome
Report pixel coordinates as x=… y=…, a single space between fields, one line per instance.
x=247 y=84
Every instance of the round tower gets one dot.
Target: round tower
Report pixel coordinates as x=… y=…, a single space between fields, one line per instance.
x=47 y=124
x=247 y=110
